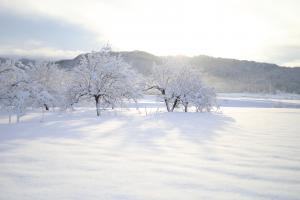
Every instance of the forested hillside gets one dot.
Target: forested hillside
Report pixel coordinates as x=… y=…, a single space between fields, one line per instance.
x=226 y=75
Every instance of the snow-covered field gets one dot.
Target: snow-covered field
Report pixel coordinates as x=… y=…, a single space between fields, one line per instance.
x=246 y=151
x=259 y=100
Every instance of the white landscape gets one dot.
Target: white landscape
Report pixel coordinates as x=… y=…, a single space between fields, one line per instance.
x=149 y=100
x=238 y=152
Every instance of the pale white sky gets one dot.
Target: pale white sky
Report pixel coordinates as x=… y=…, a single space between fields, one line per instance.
x=262 y=30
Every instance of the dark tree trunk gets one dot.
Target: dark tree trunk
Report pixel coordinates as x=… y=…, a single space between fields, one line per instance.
x=186 y=108
x=163 y=92
x=167 y=104
x=97 y=98
x=46 y=107
x=175 y=104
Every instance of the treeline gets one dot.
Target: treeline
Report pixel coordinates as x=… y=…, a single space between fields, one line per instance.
x=104 y=78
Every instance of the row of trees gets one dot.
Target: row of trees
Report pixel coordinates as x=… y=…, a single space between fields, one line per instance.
x=103 y=77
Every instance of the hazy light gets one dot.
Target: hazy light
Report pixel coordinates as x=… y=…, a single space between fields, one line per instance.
x=249 y=29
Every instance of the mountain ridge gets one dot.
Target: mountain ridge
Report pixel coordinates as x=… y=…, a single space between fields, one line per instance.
x=225 y=74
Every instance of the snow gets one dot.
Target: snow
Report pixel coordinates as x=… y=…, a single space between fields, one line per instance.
x=240 y=152
x=259 y=100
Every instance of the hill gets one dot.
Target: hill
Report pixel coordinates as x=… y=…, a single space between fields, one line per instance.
x=226 y=75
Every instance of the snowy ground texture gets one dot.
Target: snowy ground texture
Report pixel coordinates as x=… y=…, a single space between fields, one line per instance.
x=243 y=152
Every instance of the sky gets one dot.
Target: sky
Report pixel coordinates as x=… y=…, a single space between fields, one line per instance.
x=260 y=30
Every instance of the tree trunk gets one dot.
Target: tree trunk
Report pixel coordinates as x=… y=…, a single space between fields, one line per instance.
x=97 y=105
x=9 y=118
x=175 y=104
x=163 y=92
x=186 y=108
x=46 y=107
x=167 y=104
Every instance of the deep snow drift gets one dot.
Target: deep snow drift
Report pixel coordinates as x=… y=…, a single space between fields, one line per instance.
x=238 y=153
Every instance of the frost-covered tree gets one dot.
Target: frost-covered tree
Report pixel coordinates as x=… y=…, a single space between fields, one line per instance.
x=179 y=84
x=32 y=85
x=205 y=99
x=162 y=80
x=191 y=91
x=106 y=78
x=187 y=83
x=14 y=90
x=72 y=92
x=46 y=83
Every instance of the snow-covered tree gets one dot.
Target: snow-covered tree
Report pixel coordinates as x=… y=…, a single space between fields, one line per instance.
x=187 y=83
x=46 y=84
x=179 y=84
x=32 y=85
x=205 y=99
x=14 y=90
x=162 y=80
x=106 y=78
x=72 y=92
x=191 y=91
